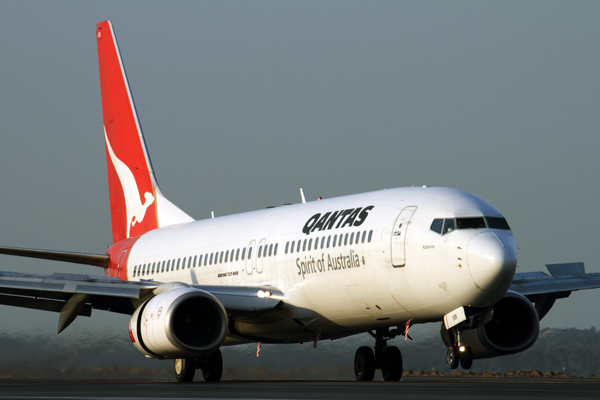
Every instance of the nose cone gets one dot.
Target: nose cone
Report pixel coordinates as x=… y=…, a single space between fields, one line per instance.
x=493 y=261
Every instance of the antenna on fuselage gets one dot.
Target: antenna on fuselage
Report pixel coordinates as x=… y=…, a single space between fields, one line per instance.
x=302 y=196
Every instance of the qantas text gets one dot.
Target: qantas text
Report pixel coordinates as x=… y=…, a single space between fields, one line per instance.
x=350 y=217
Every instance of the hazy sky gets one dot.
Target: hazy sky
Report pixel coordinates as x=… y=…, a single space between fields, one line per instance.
x=242 y=103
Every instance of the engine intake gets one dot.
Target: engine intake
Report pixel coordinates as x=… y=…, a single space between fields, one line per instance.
x=178 y=323
x=514 y=328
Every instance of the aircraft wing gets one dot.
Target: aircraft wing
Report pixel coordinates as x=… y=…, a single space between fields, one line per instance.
x=543 y=289
x=74 y=294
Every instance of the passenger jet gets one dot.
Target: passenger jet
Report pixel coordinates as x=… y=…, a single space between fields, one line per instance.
x=377 y=262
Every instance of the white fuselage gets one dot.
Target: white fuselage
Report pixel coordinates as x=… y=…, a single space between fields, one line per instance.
x=399 y=269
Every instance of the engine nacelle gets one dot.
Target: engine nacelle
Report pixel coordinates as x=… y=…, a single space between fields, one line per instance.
x=514 y=328
x=179 y=323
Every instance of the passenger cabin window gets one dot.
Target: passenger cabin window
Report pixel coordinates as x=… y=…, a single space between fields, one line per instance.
x=244 y=253
x=275 y=249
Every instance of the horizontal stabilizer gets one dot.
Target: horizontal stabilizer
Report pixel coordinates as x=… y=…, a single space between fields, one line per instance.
x=97 y=260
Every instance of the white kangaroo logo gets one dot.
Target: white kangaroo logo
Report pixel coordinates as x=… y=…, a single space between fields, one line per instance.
x=135 y=209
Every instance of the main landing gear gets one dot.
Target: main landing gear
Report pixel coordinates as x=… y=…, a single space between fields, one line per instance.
x=458 y=352
x=388 y=359
x=211 y=366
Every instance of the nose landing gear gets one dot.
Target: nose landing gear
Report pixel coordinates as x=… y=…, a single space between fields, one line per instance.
x=387 y=358
x=458 y=352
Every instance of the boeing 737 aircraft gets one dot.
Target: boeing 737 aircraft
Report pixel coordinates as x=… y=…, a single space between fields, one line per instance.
x=375 y=262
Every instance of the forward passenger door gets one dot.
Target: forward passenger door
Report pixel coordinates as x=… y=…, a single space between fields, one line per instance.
x=399 y=233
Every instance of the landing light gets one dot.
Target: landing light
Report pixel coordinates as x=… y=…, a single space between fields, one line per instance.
x=462 y=349
x=263 y=293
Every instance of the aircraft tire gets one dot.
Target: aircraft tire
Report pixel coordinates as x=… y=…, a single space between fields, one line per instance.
x=214 y=367
x=185 y=368
x=466 y=358
x=452 y=357
x=364 y=364
x=392 y=369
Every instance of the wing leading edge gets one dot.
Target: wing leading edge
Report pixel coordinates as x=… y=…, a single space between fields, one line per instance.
x=72 y=295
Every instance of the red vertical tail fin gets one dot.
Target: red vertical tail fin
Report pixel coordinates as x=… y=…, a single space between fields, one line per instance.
x=136 y=203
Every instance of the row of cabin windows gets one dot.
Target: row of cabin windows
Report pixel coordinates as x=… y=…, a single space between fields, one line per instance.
x=208 y=259
x=341 y=240
x=266 y=250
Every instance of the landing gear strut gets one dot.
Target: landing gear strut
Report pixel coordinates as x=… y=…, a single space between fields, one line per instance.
x=458 y=352
x=211 y=366
x=388 y=359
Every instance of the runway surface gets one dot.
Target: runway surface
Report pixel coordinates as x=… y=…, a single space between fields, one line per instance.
x=422 y=388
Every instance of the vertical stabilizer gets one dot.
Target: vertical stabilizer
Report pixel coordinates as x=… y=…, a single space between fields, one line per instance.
x=136 y=203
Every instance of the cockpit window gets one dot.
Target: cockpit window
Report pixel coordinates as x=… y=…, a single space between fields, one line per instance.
x=442 y=226
x=448 y=225
x=470 y=223
x=436 y=225
x=497 y=223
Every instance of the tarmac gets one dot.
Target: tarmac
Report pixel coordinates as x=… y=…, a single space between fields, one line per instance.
x=410 y=387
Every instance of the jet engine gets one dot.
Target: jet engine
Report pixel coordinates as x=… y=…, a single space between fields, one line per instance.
x=179 y=323
x=514 y=328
